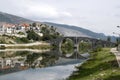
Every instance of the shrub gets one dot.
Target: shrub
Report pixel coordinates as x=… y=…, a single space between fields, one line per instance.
x=21 y=33
x=21 y=40
x=25 y=40
x=33 y=36
x=98 y=48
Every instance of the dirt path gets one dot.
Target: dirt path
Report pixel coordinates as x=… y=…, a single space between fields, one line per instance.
x=31 y=50
x=117 y=54
x=28 y=44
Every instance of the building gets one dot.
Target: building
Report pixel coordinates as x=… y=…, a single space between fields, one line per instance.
x=10 y=29
x=11 y=62
x=7 y=29
x=19 y=30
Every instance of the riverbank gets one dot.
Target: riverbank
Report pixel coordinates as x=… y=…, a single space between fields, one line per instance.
x=101 y=66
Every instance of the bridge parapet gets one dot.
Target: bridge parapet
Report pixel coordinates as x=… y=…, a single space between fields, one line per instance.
x=76 y=40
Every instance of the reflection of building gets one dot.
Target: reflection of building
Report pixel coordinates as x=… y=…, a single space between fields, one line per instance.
x=37 y=62
x=6 y=63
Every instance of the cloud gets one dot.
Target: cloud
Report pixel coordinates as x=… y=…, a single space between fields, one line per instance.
x=49 y=73
x=67 y=14
x=38 y=11
x=90 y=14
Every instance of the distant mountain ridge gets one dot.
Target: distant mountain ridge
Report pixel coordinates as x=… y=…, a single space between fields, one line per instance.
x=83 y=31
x=66 y=30
x=8 y=18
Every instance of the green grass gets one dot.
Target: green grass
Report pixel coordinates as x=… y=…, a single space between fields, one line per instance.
x=101 y=66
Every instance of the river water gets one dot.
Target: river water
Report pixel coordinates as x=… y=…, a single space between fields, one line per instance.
x=26 y=65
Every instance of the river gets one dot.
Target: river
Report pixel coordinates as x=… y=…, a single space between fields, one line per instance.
x=27 y=65
x=49 y=73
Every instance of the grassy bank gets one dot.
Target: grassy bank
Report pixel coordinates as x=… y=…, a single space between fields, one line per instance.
x=101 y=66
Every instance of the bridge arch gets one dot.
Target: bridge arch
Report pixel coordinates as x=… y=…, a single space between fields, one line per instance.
x=66 y=46
x=76 y=40
x=84 y=46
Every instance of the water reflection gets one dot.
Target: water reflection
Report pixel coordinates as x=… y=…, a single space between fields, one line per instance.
x=13 y=61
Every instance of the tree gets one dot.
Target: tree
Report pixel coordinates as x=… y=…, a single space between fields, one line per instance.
x=46 y=37
x=109 y=38
x=33 y=36
x=117 y=40
x=34 y=24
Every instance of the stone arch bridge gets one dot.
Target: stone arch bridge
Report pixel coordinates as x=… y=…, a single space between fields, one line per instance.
x=76 y=40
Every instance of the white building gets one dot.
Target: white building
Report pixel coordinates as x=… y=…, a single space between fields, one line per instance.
x=11 y=62
x=14 y=30
x=10 y=29
x=7 y=29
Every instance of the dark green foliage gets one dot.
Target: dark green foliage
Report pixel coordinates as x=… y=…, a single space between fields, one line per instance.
x=49 y=37
x=109 y=38
x=33 y=36
x=54 y=47
x=22 y=53
x=21 y=40
x=45 y=30
x=97 y=48
x=49 y=33
x=21 y=33
x=34 y=24
x=118 y=40
x=25 y=40
x=46 y=37
x=31 y=58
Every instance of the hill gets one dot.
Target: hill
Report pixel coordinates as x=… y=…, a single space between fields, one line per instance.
x=66 y=30
x=8 y=18
x=81 y=30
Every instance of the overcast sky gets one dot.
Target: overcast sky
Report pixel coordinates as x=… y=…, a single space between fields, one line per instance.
x=97 y=15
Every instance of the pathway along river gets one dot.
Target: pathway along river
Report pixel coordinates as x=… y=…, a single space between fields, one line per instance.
x=25 y=65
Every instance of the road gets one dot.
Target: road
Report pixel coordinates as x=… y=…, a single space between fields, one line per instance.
x=117 y=54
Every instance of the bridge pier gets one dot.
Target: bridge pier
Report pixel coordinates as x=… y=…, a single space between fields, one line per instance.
x=94 y=43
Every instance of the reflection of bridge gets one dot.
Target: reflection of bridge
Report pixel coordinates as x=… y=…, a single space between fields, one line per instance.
x=76 y=40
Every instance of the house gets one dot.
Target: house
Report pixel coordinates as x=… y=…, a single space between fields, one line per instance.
x=7 y=29
x=10 y=29
x=22 y=28
x=19 y=30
